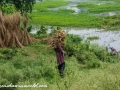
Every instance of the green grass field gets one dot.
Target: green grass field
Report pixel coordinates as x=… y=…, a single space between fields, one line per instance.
x=87 y=67
x=66 y=18
x=33 y=64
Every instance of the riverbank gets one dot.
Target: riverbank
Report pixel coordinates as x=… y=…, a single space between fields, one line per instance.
x=34 y=65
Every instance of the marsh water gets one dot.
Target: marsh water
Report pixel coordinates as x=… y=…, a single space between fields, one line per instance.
x=106 y=38
x=73 y=6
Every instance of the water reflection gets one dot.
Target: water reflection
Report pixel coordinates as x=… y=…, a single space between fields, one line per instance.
x=105 y=37
x=72 y=6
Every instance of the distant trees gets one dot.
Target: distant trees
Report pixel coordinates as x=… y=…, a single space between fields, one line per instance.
x=9 y=6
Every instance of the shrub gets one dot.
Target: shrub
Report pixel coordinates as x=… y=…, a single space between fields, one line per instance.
x=24 y=52
x=93 y=64
x=3 y=82
x=101 y=54
x=81 y=57
x=72 y=44
x=58 y=28
x=15 y=77
x=84 y=56
x=29 y=28
x=2 y=56
x=18 y=63
x=8 y=53
x=43 y=30
x=48 y=74
x=31 y=73
x=53 y=30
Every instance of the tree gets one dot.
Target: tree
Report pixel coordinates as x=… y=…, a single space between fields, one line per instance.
x=16 y=5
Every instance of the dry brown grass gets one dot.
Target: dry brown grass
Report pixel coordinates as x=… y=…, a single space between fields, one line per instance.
x=26 y=38
x=10 y=31
x=58 y=37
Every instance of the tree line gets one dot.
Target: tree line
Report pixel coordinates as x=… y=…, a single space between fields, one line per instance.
x=8 y=6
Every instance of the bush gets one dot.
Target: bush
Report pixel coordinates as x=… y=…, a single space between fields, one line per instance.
x=5 y=82
x=43 y=30
x=72 y=44
x=84 y=51
x=18 y=63
x=24 y=52
x=29 y=28
x=15 y=77
x=93 y=64
x=48 y=74
x=31 y=73
x=2 y=56
x=53 y=30
x=8 y=53
x=58 y=28
x=102 y=55
x=84 y=56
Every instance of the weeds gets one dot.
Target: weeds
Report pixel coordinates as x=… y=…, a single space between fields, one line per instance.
x=42 y=69
x=93 y=38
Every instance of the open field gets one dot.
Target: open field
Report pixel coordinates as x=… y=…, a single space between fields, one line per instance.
x=95 y=15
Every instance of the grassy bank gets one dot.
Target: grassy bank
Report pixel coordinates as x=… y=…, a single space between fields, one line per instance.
x=67 y=18
x=87 y=67
x=33 y=64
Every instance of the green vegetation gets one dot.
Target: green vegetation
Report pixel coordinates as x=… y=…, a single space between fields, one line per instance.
x=110 y=0
x=50 y=4
x=93 y=38
x=65 y=17
x=58 y=19
x=94 y=8
x=110 y=23
x=87 y=66
x=8 y=6
x=61 y=17
x=104 y=8
x=86 y=5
